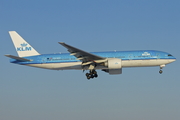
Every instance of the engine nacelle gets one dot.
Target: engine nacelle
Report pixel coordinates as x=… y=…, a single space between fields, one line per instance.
x=114 y=66
x=113 y=63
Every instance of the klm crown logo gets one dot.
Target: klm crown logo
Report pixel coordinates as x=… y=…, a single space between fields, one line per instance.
x=24 y=47
x=146 y=54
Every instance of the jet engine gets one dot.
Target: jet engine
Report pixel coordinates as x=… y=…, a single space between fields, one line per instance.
x=114 y=66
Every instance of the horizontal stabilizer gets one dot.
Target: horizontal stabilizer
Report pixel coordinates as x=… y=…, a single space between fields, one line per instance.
x=18 y=58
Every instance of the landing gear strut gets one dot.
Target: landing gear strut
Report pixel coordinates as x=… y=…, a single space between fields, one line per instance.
x=91 y=74
x=161 y=67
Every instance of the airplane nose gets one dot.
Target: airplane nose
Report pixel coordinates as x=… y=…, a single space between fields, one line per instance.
x=172 y=60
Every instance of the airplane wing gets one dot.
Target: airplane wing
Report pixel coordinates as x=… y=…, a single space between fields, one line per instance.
x=84 y=56
x=18 y=58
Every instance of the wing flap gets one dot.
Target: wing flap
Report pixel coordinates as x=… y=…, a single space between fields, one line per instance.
x=18 y=58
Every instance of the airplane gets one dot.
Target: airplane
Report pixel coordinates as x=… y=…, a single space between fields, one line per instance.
x=111 y=62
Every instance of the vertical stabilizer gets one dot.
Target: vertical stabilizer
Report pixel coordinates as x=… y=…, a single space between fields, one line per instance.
x=22 y=47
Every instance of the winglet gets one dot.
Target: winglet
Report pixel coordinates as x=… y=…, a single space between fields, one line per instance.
x=61 y=42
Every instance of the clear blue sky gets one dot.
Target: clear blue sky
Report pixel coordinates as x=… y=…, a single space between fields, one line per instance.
x=92 y=25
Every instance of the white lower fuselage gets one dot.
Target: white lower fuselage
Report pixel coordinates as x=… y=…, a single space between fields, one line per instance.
x=125 y=63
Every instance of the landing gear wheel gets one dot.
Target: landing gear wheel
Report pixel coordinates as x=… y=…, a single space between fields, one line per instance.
x=160 y=71
x=87 y=74
x=95 y=75
x=88 y=77
x=91 y=74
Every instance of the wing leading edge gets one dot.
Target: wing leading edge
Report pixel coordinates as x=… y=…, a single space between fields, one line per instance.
x=84 y=56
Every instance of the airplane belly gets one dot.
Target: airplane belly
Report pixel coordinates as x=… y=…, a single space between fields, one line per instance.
x=58 y=66
x=67 y=66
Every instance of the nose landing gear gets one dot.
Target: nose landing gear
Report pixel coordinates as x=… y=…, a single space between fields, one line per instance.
x=91 y=74
x=160 y=71
x=161 y=67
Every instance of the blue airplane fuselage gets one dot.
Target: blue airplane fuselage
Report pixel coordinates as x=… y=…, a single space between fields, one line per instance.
x=128 y=56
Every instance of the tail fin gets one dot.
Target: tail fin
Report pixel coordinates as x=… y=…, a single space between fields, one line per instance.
x=22 y=47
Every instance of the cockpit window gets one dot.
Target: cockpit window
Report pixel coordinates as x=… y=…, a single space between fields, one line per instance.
x=169 y=55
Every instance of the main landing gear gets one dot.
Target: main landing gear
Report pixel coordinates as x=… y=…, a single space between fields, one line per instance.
x=91 y=74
